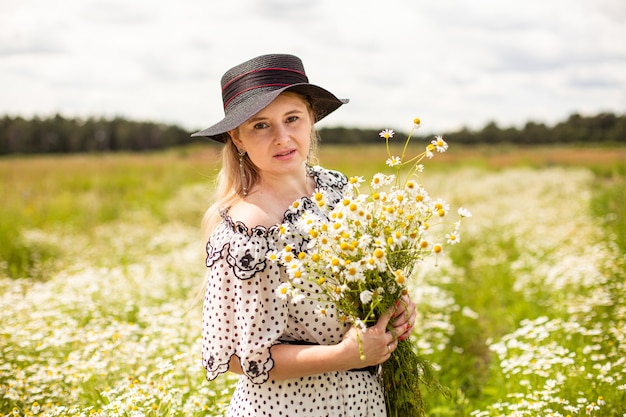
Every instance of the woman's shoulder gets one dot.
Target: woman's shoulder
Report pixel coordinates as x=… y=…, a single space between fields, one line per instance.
x=249 y=214
x=325 y=177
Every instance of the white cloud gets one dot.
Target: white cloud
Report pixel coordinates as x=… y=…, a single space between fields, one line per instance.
x=452 y=63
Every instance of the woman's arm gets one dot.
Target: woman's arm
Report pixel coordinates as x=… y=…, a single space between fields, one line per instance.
x=295 y=361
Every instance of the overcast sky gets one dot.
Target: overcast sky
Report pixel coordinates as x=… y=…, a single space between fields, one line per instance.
x=452 y=63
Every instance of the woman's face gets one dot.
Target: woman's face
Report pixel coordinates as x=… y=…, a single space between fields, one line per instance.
x=277 y=139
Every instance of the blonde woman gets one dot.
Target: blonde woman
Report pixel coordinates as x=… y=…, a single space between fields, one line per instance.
x=291 y=360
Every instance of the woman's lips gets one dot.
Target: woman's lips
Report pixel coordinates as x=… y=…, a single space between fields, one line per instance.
x=285 y=154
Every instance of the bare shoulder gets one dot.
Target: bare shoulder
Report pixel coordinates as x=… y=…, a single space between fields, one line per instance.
x=250 y=214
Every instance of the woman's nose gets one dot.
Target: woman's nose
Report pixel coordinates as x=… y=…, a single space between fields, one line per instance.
x=280 y=134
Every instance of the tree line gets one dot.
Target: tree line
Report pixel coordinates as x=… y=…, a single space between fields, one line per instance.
x=57 y=134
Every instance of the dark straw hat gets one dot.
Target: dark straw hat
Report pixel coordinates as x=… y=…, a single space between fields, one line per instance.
x=249 y=87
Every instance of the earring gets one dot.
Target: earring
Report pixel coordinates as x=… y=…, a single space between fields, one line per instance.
x=244 y=186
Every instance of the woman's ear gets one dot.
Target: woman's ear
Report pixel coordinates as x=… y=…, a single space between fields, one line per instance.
x=235 y=138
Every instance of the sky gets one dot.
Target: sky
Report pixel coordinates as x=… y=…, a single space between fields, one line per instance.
x=452 y=63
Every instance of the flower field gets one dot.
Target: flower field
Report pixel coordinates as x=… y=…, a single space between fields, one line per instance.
x=101 y=263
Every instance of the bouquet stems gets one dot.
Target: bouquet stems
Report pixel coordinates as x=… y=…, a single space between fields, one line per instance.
x=401 y=377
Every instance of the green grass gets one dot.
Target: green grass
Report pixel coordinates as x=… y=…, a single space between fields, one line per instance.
x=101 y=259
x=78 y=193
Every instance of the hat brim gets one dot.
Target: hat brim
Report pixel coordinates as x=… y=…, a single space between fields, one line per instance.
x=323 y=101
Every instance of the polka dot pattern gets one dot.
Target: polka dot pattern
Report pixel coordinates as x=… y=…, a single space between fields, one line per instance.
x=243 y=317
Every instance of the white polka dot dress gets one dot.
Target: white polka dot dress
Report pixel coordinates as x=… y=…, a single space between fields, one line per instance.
x=242 y=316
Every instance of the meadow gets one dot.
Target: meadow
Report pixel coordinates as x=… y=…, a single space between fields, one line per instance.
x=101 y=263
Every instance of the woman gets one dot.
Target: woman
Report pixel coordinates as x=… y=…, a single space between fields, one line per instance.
x=291 y=359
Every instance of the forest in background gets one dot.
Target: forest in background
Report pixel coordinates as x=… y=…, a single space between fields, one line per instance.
x=58 y=134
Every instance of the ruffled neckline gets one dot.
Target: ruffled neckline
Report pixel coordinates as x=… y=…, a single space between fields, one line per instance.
x=259 y=230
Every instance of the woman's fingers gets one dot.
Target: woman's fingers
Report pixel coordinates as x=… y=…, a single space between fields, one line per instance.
x=404 y=318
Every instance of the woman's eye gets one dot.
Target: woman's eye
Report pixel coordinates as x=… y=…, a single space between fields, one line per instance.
x=261 y=125
x=291 y=119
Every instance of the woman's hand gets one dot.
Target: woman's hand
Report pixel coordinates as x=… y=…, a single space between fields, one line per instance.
x=403 y=318
x=376 y=344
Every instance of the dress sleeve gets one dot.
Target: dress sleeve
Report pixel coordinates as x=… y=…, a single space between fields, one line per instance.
x=242 y=315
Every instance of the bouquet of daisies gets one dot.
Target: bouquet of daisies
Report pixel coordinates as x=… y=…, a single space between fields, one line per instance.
x=363 y=251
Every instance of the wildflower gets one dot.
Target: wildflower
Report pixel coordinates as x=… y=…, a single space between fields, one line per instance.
x=366 y=296
x=452 y=238
x=440 y=144
x=297 y=297
x=429 y=150
x=463 y=212
x=294 y=269
x=440 y=207
x=394 y=161
x=322 y=311
x=353 y=272
x=381 y=180
x=396 y=239
x=287 y=256
x=283 y=290
x=399 y=274
x=417 y=122
x=386 y=134
x=468 y=312
x=356 y=180
x=360 y=324
x=591 y=408
x=273 y=256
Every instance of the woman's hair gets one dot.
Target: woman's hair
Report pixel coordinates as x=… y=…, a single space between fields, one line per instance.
x=229 y=186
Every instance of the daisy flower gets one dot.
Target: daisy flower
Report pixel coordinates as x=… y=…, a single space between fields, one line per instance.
x=429 y=151
x=394 y=161
x=366 y=296
x=283 y=290
x=386 y=134
x=440 y=144
x=273 y=256
x=452 y=238
x=321 y=311
x=463 y=212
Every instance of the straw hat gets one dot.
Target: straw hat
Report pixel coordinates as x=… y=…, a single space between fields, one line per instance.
x=249 y=87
